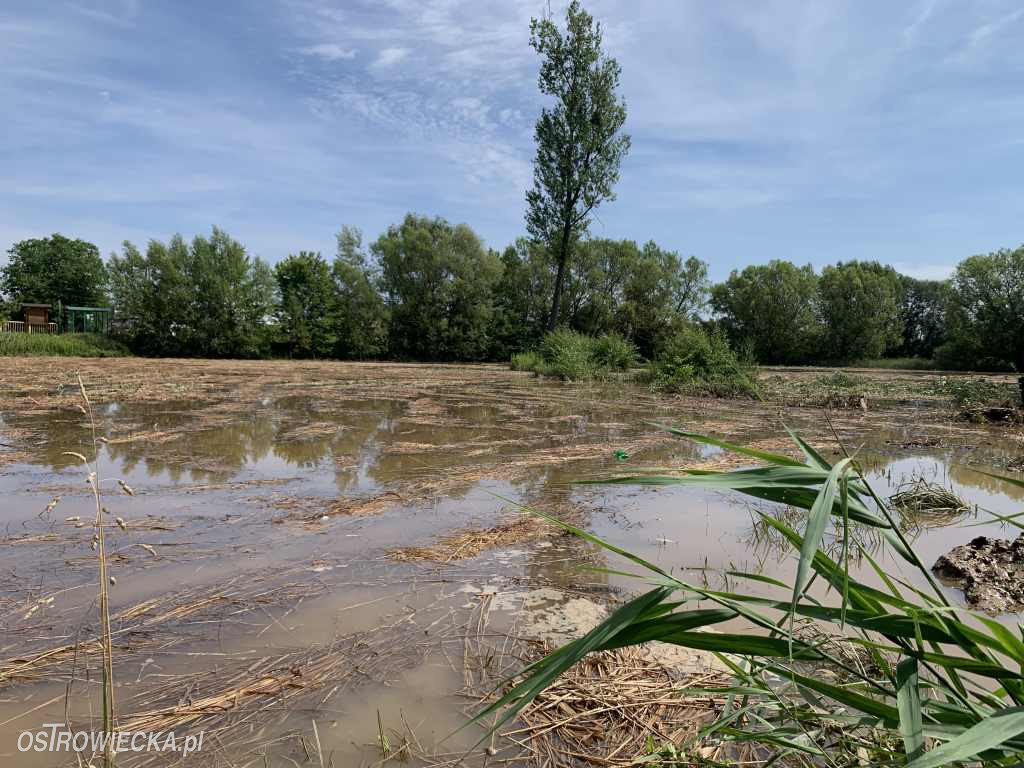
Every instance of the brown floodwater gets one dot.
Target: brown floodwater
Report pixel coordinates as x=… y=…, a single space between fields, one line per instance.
x=269 y=521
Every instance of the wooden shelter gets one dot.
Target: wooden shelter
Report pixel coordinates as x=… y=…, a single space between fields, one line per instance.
x=35 y=319
x=36 y=314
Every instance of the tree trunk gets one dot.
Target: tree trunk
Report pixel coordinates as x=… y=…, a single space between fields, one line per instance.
x=556 y=301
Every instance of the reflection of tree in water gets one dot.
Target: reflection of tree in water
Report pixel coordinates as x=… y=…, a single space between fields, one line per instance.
x=768 y=544
x=174 y=440
x=967 y=477
x=198 y=453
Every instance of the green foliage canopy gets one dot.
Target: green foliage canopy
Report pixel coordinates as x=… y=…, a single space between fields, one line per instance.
x=922 y=316
x=362 y=317
x=986 y=312
x=437 y=280
x=860 y=304
x=306 y=306
x=55 y=269
x=772 y=308
x=204 y=299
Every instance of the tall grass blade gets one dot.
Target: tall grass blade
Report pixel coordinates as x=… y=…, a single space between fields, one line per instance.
x=990 y=733
x=817 y=521
x=908 y=701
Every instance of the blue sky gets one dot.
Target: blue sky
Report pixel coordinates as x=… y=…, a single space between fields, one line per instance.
x=806 y=131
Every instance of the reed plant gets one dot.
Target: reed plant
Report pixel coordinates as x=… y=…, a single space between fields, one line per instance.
x=933 y=684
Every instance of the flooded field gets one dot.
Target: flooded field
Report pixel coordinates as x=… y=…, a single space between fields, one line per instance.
x=342 y=545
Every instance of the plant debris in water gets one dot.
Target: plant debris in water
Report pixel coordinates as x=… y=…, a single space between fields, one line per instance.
x=928 y=503
x=471 y=542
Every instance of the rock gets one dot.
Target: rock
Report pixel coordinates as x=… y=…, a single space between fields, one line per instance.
x=990 y=572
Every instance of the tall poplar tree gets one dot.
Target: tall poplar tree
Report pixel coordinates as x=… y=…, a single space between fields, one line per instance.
x=579 y=138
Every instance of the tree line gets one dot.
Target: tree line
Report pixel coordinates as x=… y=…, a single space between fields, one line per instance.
x=429 y=290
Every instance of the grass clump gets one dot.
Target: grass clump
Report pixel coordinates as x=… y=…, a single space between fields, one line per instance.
x=60 y=345
x=840 y=380
x=614 y=353
x=695 y=362
x=569 y=355
x=530 y=360
x=574 y=356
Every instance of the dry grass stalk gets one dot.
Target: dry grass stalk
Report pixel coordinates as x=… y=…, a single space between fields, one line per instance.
x=105 y=639
x=610 y=708
x=139 y=626
x=922 y=497
x=236 y=702
x=473 y=541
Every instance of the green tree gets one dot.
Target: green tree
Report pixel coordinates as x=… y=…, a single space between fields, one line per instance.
x=438 y=281
x=692 y=288
x=579 y=143
x=362 y=316
x=232 y=298
x=55 y=269
x=204 y=299
x=597 y=276
x=306 y=305
x=986 y=313
x=860 y=304
x=152 y=297
x=661 y=295
x=922 y=315
x=772 y=309
x=520 y=300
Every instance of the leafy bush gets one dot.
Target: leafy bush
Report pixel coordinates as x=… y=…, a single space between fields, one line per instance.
x=613 y=352
x=969 y=354
x=569 y=355
x=529 y=361
x=574 y=356
x=60 y=345
x=841 y=380
x=696 y=362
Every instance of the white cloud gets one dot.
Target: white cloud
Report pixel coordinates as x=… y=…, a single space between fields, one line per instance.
x=329 y=51
x=389 y=57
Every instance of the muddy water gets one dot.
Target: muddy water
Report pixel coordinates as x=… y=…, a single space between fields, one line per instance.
x=292 y=507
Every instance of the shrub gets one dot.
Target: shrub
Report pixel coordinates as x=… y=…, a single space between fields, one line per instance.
x=696 y=362
x=841 y=380
x=569 y=355
x=60 y=345
x=528 y=361
x=574 y=357
x=613 y=352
